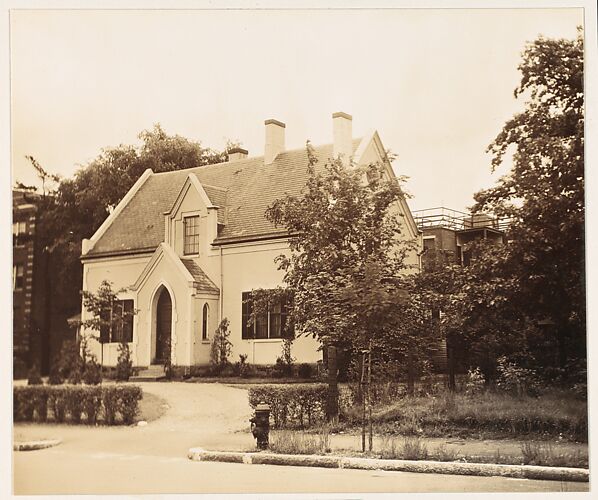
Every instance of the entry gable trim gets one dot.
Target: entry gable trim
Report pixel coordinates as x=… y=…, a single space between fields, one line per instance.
x=162 y=251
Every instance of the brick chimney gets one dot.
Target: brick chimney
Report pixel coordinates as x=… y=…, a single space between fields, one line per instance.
x=342 y=136
x=237 y=154
x=274 y=140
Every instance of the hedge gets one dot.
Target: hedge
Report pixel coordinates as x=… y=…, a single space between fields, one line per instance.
x=292 y=405
x=76 y=404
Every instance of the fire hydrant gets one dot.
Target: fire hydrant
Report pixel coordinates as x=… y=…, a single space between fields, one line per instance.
x=260 y=425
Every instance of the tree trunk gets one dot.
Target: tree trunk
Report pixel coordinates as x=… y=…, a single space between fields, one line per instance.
x=363 y=398
x=371 y=433
x=410 y=372
x=332 y=400
x=450 y=362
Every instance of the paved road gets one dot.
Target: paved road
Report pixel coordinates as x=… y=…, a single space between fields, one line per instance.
x=152 y=459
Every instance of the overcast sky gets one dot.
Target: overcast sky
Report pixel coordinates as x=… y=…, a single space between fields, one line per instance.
x=436 y=84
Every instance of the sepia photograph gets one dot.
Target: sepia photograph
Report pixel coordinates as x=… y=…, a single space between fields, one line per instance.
x=284 y=248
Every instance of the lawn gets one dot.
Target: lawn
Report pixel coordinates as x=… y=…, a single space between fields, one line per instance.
x=488 y=415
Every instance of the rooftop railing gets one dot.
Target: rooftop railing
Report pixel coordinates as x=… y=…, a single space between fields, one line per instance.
x=456 y=220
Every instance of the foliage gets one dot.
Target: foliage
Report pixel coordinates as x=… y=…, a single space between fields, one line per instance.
x=539 y=275
x=221 y=345
x=346 y=253
x=72 y=403
x=104 y=310
x=124 y=363
x=486 y=415
x=92 y=374
x=305 y=370
x=241 y=367
x=77 y=206
x=514 y=379
x=68 y=361
x=292 y=405
x=284 y=363
x=296 y=443
x=475 y=382
x=34 y=377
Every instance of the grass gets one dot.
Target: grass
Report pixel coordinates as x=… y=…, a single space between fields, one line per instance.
x=487 y=415
x=151 y=407
x=300 y=443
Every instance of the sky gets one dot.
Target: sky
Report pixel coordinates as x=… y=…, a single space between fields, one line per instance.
x=437 y=84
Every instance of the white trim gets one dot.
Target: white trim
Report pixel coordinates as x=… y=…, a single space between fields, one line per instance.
x=429 y=237
x=163 y=249
x=191 y=180
x=87 y=245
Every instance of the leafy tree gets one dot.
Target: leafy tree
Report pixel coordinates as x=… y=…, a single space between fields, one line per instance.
x=106 y=315
x=347 y=254
x=77 y=206
x=539 y=276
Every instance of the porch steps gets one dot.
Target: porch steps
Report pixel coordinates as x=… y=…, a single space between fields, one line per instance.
x=152 y=373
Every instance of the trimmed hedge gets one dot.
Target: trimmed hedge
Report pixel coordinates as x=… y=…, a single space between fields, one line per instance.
x=76 y=404
x=292 y=405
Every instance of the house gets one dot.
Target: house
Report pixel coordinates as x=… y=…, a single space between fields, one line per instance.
x=449 y=233
x=189 y=246
x=30 y=339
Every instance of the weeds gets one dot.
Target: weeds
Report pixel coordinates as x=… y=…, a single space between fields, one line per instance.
x=301 y=443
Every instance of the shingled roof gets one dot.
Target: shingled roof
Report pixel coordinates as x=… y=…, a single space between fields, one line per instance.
x=242 y=190
x=202 y=282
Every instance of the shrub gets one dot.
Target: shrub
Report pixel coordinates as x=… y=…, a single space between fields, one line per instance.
x=75 y=401
x=33 y=376
x=55 y=377
x=241 y=368
x=92 y=403
x=23 y=403
x=221 y=346
x=39 y=400
x=305 y=370
x=70 y=361
x=475 y=382
x=58 y=404
x=128 y=402
x=124 y=364
x=92 y=374
x=292 y=405
x=515 y=379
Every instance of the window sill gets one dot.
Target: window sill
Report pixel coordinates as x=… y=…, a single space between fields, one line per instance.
x=206 y=341
x=264 y=341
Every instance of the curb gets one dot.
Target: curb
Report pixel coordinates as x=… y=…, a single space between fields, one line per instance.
x=35 y=445
x=422 y=466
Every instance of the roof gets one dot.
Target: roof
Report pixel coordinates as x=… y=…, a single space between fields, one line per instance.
x=202 y=282
x=242 y=190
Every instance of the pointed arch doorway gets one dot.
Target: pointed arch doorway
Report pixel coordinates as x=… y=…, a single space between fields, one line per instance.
x=163 y=326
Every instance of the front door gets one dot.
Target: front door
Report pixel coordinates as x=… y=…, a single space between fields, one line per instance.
x=163 y=326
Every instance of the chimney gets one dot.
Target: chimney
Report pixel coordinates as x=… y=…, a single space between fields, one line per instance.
x=237 y=154
x=274 y=140
x=342 y=136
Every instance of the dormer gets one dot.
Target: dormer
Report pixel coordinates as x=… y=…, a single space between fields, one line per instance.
x=192 y=223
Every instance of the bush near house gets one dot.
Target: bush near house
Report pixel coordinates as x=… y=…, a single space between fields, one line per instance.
x=110 y=405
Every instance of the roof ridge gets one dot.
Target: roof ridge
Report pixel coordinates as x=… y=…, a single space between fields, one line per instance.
x=251 y=158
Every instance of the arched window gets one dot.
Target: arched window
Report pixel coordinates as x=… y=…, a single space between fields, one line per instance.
x=204 y=322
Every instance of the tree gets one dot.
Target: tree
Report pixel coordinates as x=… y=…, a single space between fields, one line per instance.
x=77 y=207
x=107 y=317
x=346 y=257
x=221 y=346
x=543 y=267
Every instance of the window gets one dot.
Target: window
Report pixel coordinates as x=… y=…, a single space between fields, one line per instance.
x=204 y=322
x=18 y=271
x=191 y=235
x=429 y=243
x=19 y=232
x=268 y=325
x=122 y=326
